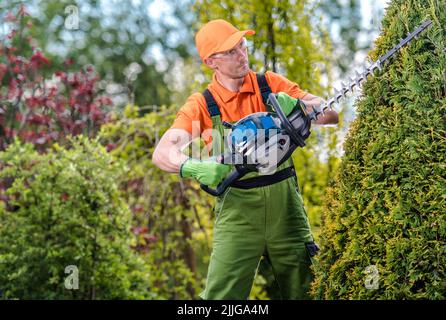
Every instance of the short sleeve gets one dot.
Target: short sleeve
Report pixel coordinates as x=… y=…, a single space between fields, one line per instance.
x=183 y=120
x=190 y=117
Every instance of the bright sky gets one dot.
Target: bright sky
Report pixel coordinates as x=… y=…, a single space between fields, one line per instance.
x=366 y=10
x=159 y=8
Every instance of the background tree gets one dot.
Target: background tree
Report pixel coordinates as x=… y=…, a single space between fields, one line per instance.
x=384 y=225
x=349 y=31
x=39 y=106
x=125 y=41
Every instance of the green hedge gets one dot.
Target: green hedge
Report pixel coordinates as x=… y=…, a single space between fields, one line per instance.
x=64 y=209
x=384 y=227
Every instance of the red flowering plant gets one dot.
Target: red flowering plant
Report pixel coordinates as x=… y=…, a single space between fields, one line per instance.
x=41 y=108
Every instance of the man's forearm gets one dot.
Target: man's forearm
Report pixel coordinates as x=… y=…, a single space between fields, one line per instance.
x=168 y=155
x=169 y=160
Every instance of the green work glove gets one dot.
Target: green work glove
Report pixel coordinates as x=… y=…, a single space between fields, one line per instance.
x=208 y=172
x=288 y=103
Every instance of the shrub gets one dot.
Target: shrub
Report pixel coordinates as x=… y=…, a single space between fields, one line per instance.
x=64 y=209
x=387 y=209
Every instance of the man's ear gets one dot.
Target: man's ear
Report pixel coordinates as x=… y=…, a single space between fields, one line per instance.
x=210 y=63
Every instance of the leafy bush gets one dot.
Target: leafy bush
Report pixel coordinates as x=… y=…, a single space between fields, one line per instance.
x=384 y=227
x=171 y=217
x=64 y=209
x=36 y=105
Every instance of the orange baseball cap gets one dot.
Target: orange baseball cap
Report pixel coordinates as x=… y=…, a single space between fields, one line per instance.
x=217 y=36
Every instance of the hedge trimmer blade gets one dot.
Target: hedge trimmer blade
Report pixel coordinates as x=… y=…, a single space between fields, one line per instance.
x=361 y=77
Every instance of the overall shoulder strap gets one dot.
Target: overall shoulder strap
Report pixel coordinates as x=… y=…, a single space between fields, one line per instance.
x=214 y=112
x=265 y=89
x=211 y=104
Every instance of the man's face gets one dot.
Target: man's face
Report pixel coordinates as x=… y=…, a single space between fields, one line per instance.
x=232 y=63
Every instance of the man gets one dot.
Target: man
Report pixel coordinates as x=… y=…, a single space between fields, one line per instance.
x=268 y=220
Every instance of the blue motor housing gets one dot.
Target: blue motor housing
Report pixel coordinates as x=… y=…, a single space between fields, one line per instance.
x=247 y=130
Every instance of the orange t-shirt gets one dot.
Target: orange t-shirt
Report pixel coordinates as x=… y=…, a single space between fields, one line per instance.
x=233 y=106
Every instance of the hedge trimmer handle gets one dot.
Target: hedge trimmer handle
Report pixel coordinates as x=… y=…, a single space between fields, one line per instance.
x=234 y=175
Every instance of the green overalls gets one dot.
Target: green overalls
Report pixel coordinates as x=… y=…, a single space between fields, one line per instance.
x=268 y=220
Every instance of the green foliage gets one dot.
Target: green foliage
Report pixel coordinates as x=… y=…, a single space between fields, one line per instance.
x=387 y=208
x=171 y=214
x=64 y=209
x=120 y=38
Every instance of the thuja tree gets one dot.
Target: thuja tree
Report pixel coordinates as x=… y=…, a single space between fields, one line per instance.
x=64 y=226
x=384 y=227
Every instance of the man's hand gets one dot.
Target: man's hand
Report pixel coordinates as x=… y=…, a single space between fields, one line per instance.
x=287 y=103
x=329 y=117
x=208 y=172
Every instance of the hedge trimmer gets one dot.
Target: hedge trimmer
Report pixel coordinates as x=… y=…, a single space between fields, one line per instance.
x=262 y=141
